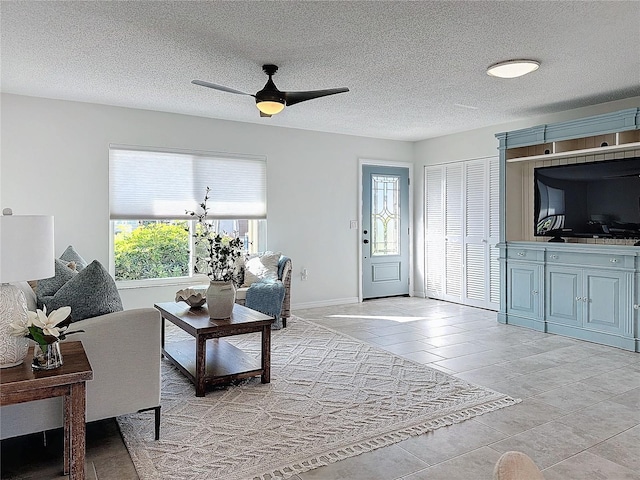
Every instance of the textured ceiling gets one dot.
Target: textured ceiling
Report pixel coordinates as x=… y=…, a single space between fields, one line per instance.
x=415 y=69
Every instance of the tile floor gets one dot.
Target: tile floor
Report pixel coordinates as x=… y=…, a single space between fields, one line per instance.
x=579 y=418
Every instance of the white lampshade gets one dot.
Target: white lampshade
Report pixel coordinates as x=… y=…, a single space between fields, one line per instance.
x=26 y=248
x=26 y=253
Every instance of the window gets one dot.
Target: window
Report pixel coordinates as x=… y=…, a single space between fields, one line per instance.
x=150 y=191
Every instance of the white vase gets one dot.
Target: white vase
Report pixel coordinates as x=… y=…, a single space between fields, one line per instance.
x=221 y=297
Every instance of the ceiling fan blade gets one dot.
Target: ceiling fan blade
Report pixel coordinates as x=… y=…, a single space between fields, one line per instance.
x=219 y=87
x=296 y=97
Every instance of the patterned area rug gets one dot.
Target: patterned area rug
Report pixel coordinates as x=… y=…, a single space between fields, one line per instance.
x=331 y=397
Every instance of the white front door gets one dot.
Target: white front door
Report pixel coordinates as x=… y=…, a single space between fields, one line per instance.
x=385 y=231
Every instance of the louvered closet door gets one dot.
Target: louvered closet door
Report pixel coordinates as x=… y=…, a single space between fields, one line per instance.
x=453 y=216
x=476 y=204
x=434 y=232
x=462 y=231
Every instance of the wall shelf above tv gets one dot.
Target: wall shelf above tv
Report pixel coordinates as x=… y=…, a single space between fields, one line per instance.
x=618 y=130
x=571 y=153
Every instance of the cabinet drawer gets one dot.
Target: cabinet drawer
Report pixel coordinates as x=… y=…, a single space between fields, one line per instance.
x=590 y=259
x=515 y=253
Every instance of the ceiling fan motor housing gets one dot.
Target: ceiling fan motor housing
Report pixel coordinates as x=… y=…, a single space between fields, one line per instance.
x=270 y=93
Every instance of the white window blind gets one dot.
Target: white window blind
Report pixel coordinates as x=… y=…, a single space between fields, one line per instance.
x=161 y=184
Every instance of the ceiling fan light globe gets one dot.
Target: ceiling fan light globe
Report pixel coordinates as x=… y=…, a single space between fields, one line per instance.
x=269 y=107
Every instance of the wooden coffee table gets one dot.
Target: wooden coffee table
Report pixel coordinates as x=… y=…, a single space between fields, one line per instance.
x=215 y=362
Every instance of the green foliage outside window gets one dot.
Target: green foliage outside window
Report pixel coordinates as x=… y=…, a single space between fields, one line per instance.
x=152 y=250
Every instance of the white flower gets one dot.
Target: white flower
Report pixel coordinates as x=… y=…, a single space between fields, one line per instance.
x=48 y=324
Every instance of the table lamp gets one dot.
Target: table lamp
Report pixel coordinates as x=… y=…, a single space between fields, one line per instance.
x=26 y=253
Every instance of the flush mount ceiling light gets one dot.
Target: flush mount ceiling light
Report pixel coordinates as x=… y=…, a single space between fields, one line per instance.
x=513 y=68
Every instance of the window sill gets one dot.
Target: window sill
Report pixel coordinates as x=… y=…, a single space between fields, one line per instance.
x=162 y=282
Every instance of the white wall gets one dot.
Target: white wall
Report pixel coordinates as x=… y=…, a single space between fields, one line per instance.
x=478 y=143
x=55 y=161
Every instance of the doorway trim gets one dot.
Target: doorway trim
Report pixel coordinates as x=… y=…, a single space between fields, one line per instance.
x=384 y=163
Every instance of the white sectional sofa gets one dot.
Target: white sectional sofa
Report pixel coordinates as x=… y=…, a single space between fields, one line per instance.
x=124 y=351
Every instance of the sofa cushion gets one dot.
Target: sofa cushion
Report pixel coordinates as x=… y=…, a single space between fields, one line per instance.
x=89 y=293
x=49 y=286
x=263 y=267
x=70 y=255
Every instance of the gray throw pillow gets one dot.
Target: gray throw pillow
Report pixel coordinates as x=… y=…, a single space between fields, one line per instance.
x=70 y=255
x=90 y=293
x=49 y=286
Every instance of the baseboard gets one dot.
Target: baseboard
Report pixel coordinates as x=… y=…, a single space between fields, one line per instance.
x=324 y=303
x=418 y=294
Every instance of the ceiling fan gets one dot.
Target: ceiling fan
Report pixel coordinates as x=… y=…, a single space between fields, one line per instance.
x=270 y=100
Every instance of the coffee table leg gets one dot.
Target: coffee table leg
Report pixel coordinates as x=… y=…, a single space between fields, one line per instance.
x=266 y=354
x=201 y=361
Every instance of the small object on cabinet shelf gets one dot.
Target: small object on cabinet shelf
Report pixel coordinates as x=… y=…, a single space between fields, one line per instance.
x=191 y=297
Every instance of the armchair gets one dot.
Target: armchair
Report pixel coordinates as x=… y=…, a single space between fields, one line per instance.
x=284 y=275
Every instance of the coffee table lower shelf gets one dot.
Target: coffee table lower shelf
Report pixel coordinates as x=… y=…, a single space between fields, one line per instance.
x=224 y=362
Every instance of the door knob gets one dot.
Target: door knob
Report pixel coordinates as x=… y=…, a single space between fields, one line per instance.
x=365 y=241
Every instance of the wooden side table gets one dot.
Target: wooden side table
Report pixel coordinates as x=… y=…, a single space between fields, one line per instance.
x=22 y=384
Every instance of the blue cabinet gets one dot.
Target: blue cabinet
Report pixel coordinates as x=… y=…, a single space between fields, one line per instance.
x=604 y=300
x=524 y=304
x=589 y=292
x=635 y=313
x=592 y=300
x=563 y=289
x=585 y=288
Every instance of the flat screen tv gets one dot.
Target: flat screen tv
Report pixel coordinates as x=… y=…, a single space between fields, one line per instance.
x=592 y=200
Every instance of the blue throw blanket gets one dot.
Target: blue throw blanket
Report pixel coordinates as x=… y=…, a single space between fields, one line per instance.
x=266 y=297
x=281 y=263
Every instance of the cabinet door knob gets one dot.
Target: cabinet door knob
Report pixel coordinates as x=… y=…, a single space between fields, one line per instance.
x=521 y=254
x=578 y=299
x=535 y=292
x=636 y=306
x=613 y=260
x=585 y=299
x=555 y=257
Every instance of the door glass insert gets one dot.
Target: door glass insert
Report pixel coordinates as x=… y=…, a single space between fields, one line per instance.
x=385 y=215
